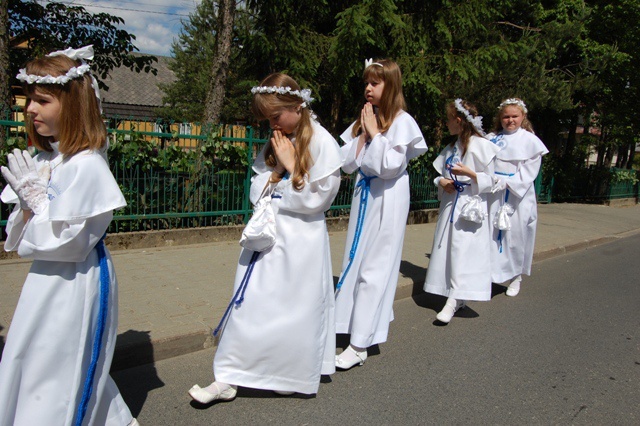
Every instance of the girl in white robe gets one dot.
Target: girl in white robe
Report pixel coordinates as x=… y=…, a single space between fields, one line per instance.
x=513 y=210
x=459 y=265
x=282 y=336
x=379 y=146
x=55 y=365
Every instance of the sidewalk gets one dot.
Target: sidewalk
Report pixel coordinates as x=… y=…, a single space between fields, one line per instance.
x=171 y=298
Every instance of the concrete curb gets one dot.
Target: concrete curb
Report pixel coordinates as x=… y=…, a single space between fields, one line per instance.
x=129 y=355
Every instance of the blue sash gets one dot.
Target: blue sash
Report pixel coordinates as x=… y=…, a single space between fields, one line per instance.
x=99 y=333
x=365 y=187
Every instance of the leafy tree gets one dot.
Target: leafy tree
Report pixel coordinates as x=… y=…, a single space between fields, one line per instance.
x=5 y=98
x=616 y=87
x=55 y=26
x=192 y=60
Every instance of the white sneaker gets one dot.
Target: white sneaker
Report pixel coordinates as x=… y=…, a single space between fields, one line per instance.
x=449 y=309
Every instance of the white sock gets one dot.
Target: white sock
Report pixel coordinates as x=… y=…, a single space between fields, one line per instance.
x=451 y=302
x=216 y=388
x=515 y=283
x=349 y=354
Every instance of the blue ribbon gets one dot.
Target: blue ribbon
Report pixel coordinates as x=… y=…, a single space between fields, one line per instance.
x=99 y=333
x=506 y=198
x=459 y=186
x=239 y=292
x=365 y=187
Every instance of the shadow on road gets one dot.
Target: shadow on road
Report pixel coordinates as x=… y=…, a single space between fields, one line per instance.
x=135 y=349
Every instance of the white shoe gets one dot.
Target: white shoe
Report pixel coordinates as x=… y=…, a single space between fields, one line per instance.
x=514 y=287
x=284 y=393
x=350 y=357
x=134 y=422
x=449 y=309
x=203 y=396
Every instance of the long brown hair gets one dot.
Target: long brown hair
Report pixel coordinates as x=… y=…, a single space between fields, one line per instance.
x=80 y=124
x=267 y=105
x=497 y=120
x=392 y=101
x=468 y=129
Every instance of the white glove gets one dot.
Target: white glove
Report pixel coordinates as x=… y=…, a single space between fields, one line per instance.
x=29 y=185
x=498 y=185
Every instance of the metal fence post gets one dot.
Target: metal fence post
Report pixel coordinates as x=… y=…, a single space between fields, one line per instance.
x=247 y=179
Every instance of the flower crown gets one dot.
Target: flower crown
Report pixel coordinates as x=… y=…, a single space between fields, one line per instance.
x=514 y=101
x=475 y=121
x=81 y=54
x=304 y=94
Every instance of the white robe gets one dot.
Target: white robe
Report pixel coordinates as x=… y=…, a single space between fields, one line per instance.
x=518 y=164
x=364 y=304
x=49 y=344
x=282 y=336
x=459 y=265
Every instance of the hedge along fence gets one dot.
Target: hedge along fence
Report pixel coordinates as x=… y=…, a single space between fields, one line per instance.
x=174 y=180
x=178 y=180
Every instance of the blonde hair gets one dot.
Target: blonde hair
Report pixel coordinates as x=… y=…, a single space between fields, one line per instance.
x=80 y=123
x=497 y=120
x=468 y=129
x=267 y=105
x=392 y=101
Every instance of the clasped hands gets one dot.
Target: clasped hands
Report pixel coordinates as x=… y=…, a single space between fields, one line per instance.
x=285 y=153
x=369 y=122
x=29 y=184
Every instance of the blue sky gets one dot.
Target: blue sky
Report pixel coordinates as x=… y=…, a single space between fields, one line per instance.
x=155 y=23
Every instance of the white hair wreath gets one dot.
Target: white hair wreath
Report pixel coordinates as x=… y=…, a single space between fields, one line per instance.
x=476 y=121
x=514 y=101
x=82 y=54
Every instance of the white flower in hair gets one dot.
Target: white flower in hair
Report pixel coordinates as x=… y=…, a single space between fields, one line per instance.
x=514 y=101
x=476 y=121
x=369 y=62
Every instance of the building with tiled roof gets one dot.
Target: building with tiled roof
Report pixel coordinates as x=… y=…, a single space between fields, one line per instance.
x=136 y=95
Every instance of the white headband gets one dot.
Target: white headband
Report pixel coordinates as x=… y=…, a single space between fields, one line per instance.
x=475 y=121
x=82 y=54
x=514 y=101
x=304 y=94
x=369 y=62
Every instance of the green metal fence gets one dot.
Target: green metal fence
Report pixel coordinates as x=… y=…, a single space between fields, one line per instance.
x=166 y=199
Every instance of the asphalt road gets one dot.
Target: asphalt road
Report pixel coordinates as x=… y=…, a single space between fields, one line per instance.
x=564 y=351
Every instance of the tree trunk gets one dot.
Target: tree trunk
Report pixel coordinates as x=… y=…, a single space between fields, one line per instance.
x=623 y=156
x=335 y=111
x=568 y=158
x=215 y=94
x=632 y=153
x=5 y=89
x=601 y=148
